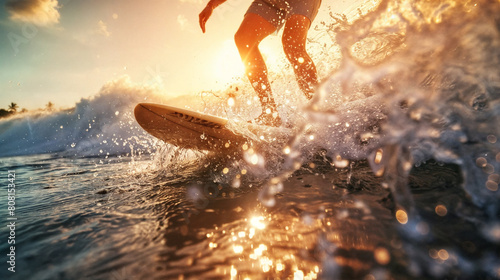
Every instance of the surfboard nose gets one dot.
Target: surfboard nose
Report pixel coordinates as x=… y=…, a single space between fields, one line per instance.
x=143 y=115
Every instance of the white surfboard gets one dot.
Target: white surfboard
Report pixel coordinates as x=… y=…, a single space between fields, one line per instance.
x=187 y=129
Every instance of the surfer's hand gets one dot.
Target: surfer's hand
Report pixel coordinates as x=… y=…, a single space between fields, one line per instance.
x=205 y=15
x=207 y=12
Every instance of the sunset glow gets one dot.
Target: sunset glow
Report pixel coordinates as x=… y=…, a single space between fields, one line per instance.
x=61 y=51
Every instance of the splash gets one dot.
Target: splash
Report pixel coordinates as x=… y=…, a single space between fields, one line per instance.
x=100 y=126
x=417 y=80
x=410 y=81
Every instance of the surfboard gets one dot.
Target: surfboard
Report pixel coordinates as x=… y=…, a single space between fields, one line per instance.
x=187 y=129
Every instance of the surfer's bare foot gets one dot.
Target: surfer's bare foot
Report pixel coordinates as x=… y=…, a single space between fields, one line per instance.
x=270 y=119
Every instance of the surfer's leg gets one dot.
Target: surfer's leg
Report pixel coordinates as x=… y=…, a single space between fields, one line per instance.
x=251 y=32
x=294 y=45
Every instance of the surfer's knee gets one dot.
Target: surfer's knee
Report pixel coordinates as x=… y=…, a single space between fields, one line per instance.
x=294 y=39
x=297 y=55
x=243 y=41
x=238 y=40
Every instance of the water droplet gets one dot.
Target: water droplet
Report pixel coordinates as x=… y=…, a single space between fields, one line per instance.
x=378 y=156
x=238 y=249
x=286 y=150
x=402 y=217
x=236 y=183
x=441 y=210
x=382 y=256
x=443 y=254
x=340 y=162
x=481 y=162
x=492 y=185
x=298 y=275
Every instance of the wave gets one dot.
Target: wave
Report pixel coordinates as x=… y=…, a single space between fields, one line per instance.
x=99 y=126
x=417 y=81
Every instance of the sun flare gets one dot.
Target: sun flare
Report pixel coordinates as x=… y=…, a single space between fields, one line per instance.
x=227 y=64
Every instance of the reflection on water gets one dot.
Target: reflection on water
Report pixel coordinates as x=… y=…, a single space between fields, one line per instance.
x=109 y=221
x=317 y=220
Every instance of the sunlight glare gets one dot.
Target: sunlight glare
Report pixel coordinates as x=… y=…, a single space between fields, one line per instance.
x=227 y=64
x=257 y=222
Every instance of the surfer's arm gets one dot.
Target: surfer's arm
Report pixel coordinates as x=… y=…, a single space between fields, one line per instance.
x=207 y=12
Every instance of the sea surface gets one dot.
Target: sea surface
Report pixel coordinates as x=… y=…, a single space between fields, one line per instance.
x=390 y=172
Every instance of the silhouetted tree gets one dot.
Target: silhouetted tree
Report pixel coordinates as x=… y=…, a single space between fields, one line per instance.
x=49 y=106
x=4 y=113
x=13 y=107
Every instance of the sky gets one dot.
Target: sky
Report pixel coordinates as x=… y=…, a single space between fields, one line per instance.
x=60 y=51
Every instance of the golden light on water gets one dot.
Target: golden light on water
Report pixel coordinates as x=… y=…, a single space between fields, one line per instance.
x=298 y=275
x=251 y=233
x=266 y=264
x=238 y=249
x=234 y=272
x=257 y=222
x=280 y=267
x=257 y=252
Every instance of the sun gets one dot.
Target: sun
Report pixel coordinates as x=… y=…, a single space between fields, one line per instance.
x=227 y=65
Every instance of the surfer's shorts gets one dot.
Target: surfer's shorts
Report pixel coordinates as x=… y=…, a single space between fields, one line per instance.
x=277 y=12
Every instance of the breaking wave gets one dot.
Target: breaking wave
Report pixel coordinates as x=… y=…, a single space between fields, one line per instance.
x=99 y=126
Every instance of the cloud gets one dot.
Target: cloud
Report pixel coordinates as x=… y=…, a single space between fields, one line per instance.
x=39 y=12
x=182 y=21
x=103 y=29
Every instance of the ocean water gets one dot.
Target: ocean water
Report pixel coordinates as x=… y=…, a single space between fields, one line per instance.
x=390 y=172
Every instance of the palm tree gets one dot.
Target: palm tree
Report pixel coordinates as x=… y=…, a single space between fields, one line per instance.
x=13 y=107
x=49 y=106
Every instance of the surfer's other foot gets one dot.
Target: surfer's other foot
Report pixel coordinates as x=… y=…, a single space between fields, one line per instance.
x=268 y=119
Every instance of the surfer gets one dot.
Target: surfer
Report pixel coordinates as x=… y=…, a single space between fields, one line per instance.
x=262 y=18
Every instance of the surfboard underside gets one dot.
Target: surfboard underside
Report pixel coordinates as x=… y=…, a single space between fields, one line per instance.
x=185 y=128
